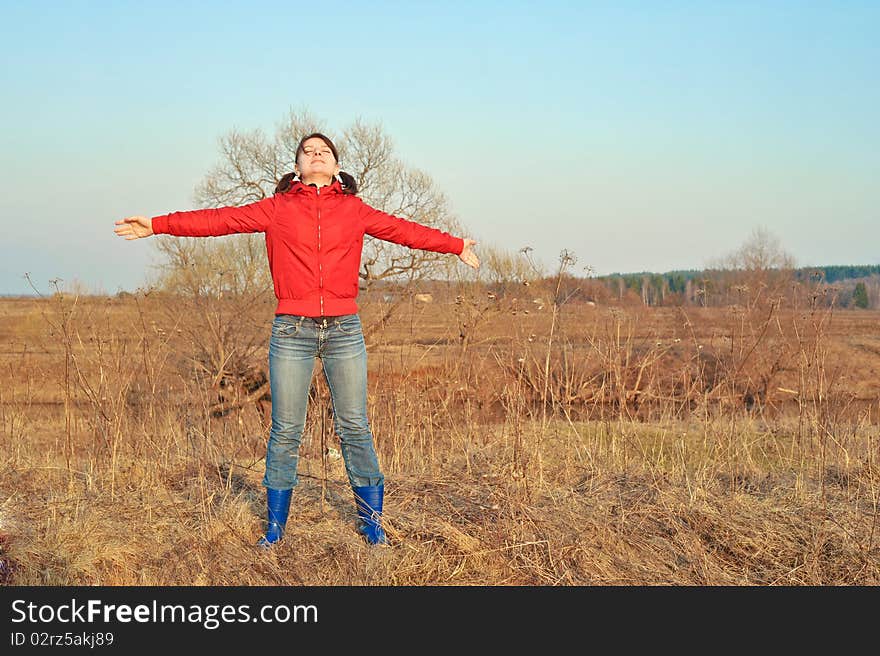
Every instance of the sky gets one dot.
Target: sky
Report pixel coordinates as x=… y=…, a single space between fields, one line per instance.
x=639 y=136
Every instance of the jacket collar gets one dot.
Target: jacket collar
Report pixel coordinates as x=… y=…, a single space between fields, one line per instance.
x=299 y=188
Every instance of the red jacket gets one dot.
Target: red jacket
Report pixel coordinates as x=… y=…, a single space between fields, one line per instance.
x=314 y=238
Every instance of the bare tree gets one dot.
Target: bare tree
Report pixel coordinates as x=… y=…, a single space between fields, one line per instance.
x=762 y=251
x=758 y=271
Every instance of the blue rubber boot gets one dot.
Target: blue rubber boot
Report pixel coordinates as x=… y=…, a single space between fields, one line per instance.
x=369 y=510
x=278 y=502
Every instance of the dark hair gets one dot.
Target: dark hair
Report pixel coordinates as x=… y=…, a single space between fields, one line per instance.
x=349 y=185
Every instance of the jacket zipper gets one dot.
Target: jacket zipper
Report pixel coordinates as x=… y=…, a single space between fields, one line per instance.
x=320 y=265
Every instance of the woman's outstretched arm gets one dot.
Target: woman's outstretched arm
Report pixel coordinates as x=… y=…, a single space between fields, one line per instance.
x=415 y=235
x=254 y=217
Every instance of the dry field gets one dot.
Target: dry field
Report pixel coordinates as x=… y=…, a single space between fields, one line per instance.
x=522 y=444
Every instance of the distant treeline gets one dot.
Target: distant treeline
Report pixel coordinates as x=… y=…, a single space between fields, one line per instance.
x=844 y=285
x=832 y=274
x=676 y=281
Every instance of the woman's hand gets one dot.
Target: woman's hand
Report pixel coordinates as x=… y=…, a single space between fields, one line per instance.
x=468 y=256
x=134 y=227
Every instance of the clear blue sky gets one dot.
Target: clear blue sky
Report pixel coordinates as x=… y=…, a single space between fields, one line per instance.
x=639 y=135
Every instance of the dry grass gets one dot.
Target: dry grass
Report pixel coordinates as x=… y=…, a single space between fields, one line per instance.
x=600 y=446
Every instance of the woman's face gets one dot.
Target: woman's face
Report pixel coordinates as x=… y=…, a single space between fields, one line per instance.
x=315 y=162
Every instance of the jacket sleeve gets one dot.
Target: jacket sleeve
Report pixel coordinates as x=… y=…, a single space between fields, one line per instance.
x=254 y=217
x=408 y=233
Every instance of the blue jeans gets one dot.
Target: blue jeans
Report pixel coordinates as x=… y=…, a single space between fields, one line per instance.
x=295 y=343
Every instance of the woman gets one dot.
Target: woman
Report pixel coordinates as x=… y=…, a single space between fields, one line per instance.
x=315 y=226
